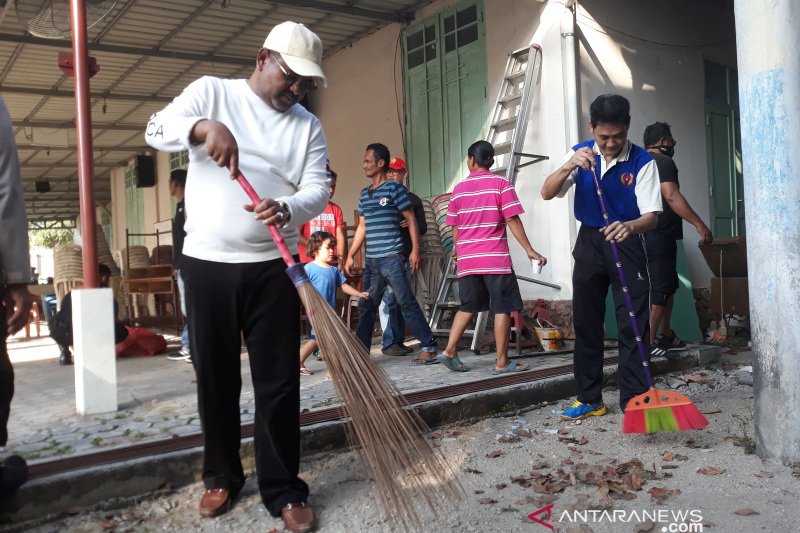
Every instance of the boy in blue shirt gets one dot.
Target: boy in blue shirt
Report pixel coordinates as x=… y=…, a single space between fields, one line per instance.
x=325 y=278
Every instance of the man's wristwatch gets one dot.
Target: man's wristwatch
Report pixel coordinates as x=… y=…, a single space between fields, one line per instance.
x=286 y=214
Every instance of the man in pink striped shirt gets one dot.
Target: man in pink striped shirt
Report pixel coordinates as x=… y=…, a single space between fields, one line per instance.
x=481 y=207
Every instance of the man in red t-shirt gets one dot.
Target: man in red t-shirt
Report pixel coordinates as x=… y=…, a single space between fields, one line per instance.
x=330 y=220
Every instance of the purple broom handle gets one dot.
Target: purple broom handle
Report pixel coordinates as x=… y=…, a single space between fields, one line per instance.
x=621 y=274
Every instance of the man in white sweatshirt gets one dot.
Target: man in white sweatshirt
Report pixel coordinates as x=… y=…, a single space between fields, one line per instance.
x=233 y=274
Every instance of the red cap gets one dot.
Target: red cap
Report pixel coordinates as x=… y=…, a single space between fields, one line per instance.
x=396 y=163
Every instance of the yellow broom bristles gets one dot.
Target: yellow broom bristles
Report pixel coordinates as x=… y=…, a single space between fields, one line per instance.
x=405 y=467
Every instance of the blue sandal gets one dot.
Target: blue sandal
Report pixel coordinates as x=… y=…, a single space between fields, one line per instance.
x=513 y=366
x=424 y=361
x=455 y=364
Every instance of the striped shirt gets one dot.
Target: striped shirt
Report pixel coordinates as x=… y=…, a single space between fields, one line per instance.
x=479 y=207
x=382 y=210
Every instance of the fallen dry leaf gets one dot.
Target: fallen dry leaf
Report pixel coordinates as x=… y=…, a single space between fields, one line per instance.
x=600 y=430
x=746 y=512
x=500 y=486
x=633 y=482
x=662 y=493
x=667 y=456
x=494 y=453
x=563 y=432
x=582 y=441
x=679 y=457
x=668 y=467
x=486 y=501
x=763 y=474
x=540 y=465
x=479 y=491
x=710 y=471
x=437 y=436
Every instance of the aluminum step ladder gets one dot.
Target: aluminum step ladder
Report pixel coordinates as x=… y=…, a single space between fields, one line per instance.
x=509 y=120
x=447 y=299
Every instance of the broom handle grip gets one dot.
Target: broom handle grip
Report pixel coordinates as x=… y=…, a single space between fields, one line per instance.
x=273 y=230
x=623 y=282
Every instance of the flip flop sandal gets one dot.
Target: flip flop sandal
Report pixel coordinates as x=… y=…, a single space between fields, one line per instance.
x=424 y=361
x=305 y=372
x=455 y=364
x=513 y=366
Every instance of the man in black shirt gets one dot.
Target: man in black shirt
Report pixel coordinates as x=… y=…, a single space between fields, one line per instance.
x=661 y=242
x=60 y=324
x=177 y=186
x=392 y=323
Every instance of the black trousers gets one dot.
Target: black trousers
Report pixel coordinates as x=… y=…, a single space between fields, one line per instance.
x=224 y=300
x=594 y=271
x=6 y=376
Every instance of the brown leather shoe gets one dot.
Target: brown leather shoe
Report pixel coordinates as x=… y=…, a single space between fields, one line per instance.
x=298 y=517
x=215 y=502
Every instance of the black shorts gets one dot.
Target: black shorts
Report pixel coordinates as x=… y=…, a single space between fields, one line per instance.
x=662 y=257
x=498 y=293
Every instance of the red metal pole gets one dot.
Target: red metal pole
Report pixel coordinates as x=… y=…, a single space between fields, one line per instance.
x=83 y=126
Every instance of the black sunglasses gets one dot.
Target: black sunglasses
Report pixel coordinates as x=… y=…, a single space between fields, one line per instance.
x=305 y=84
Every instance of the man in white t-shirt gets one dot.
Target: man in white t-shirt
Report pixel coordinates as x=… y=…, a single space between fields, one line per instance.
x=233 y=274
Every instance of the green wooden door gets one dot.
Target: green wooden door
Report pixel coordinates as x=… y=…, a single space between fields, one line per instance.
x=724 y=149
x=445 y=61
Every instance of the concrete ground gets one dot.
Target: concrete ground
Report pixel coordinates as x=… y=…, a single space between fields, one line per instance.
x=157 y=400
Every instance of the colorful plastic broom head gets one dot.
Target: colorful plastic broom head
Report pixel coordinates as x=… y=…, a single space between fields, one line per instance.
x=659 y=410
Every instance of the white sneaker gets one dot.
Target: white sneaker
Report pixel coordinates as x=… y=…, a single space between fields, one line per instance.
x=178 y=356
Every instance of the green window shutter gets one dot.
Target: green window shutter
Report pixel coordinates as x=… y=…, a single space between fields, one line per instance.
x=445 y=89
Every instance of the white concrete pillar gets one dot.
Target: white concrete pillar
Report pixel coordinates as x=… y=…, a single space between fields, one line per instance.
x=768 y=51
x=95 y=357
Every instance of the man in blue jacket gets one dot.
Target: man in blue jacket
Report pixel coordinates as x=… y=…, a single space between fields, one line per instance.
x=629 y=180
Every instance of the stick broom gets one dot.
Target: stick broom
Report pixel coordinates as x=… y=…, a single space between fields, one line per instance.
x=406 y=469
x=655 y=410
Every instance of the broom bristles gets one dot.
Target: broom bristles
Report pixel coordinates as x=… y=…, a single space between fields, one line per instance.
x=406 y=469
x=659 y=410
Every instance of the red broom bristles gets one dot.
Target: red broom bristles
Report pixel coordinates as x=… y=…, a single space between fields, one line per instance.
x=406 y=469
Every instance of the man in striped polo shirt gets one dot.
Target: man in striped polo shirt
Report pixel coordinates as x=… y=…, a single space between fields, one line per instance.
x=381 y=207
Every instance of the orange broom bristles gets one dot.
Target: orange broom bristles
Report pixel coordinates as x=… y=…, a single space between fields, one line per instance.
x=660 y=410
x=406 y=469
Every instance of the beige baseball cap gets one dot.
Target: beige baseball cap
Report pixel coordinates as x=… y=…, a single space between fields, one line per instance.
x=300 y=48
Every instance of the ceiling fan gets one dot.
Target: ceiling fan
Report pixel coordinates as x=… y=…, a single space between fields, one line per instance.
x=50 y=18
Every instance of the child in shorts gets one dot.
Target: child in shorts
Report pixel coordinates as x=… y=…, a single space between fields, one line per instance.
x=325 y=278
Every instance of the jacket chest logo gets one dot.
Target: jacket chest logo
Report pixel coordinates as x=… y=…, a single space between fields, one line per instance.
x=383 y=201
x=626 y=179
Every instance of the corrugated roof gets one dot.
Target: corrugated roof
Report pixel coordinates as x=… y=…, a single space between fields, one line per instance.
x=148 y=51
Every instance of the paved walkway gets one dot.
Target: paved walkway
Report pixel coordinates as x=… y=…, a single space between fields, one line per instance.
x=157 y=396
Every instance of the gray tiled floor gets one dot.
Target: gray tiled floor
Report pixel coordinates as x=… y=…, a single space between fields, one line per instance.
x=157 y=397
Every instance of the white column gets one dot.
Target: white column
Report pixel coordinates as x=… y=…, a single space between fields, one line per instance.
x=95 y=357
x=768 y=46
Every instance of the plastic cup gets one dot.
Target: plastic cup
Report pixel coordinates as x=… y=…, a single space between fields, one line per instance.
x=536 y=266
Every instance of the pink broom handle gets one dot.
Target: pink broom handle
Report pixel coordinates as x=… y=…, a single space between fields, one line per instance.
x=273 y=230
